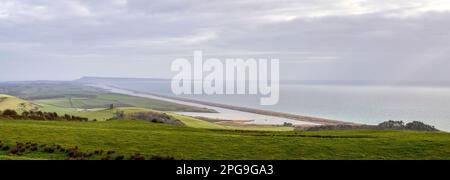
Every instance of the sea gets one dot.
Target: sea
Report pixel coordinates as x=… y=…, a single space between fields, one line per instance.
x=367 y=104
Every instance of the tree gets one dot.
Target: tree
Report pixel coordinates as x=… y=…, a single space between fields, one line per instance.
x=120 y=115
x=10 y=112
x=111 y=106
x=25 y=114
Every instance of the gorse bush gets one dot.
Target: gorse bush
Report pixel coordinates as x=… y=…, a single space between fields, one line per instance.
x=387 y=125
x=39 y=115
x=73 y=153
x=153 y=117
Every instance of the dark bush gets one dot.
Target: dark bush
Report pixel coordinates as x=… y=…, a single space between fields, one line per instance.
x=10 y=113
x=119 y=158
x=110 y=152
x=152 y=117
x=14 y=151
x=162 y=158
x=81 y=158
x=106 y=158
x=5 y=148
x=98 y=152
x=392 y=125
x=387 y=125
x=49 y=149
x=137 y=157
x=75 y=152
x=420 y=126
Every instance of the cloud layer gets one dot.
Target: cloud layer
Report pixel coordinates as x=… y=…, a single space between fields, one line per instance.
x=385 y=40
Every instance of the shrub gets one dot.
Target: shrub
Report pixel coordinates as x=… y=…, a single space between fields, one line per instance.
x=81 y=158
x=119 y=158
x=49 y=149
x=5 y=148
x=14 y=151
x=160 y=158
x=10 y=113
x=420 y=126
x=137 y=157
x=98 y=152
x=106 y=158
x=22 y=150
x=110 y=152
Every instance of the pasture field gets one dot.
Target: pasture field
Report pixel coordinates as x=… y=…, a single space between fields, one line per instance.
x=11 y=102
x=197 y=140
x=150 y=139
x=68 y=96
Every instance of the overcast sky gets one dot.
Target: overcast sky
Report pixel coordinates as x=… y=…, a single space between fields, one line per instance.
x=387 y=40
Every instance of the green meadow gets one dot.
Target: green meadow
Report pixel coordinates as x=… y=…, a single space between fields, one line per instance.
x=196 y=140
x=149 y=139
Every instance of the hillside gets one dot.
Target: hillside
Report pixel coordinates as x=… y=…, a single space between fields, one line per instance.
x=67 y=97
x=150 y=139
x=67 y=106
x=192 y=139
x=11 y=102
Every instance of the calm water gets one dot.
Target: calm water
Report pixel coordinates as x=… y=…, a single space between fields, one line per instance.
x=362 y=104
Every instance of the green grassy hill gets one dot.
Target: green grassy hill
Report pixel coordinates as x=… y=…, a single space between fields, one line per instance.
x=64 y=97
x=11 y=102
x=198 y=139
x=62 y=106
x=129 y=137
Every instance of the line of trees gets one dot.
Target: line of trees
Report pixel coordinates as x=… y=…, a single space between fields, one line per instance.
x=39 y=115
x=387 y=125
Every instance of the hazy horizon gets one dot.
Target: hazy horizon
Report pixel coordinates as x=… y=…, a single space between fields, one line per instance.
x=344 y=40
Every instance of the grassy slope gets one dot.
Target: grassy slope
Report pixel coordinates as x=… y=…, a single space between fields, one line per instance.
x=11 y=102
x=104 y=114
x=128 y=137
x=63 y=106
x=103 y=100
x=62 y=95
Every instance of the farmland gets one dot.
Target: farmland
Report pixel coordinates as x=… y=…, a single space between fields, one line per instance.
x=195 y=139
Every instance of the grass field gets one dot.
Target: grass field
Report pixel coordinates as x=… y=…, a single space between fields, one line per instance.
x=66 y=106
x=128 y=137
x=11 y=102
x=198 y=140
x=65 y=97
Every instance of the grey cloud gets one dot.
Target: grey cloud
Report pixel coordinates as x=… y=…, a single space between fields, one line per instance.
x=316 y=40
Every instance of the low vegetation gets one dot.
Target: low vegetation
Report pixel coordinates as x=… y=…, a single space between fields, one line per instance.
x=71 y=97
x=387 y=125
x=39 y=115
x=128 y=138
x=151 y=116
x=49 y=121
x=21 y=149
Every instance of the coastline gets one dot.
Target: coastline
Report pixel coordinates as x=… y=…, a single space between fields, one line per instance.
x=298 y=120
